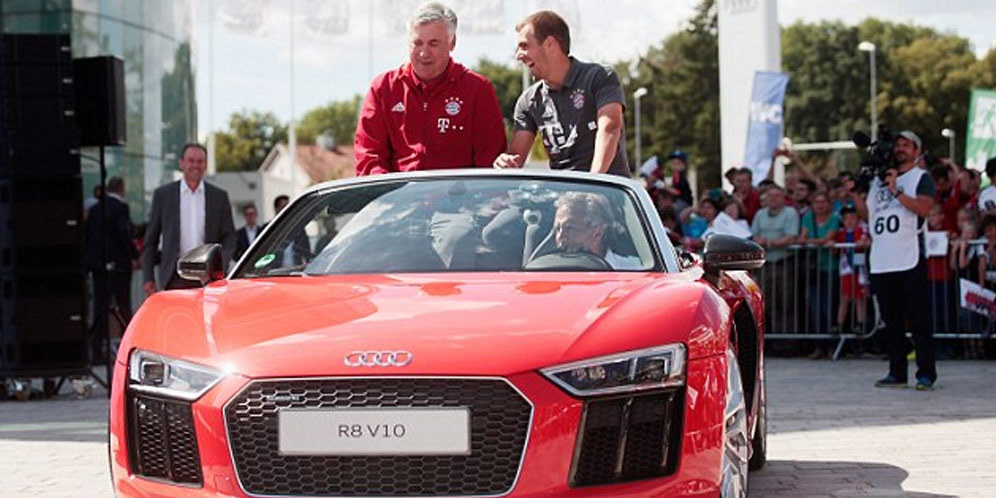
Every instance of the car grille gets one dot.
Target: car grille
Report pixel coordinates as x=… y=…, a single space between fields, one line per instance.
x=628 y=438
x=164 y=445
x=500 y=419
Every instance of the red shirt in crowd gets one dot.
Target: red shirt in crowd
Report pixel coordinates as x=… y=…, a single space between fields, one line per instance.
x=752 y=204
x=407 y=124
x=951 y=202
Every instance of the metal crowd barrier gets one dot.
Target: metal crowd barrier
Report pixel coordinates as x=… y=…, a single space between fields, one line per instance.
x=824 y=293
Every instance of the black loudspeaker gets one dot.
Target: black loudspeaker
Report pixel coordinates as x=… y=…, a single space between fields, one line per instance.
x=42 y=284
x=100 y=107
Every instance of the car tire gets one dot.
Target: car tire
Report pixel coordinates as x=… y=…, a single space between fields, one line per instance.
x=759 y=444
x=736 y=441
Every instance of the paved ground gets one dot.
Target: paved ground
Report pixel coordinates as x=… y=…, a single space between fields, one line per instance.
x=833 y=435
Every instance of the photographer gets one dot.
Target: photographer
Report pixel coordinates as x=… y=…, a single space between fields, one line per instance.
x=899 y=199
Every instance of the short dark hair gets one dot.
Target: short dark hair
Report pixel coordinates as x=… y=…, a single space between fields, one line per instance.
x=811 y=185
x=713 y=202
x=988 y=220
x=115 y=184
x=991 y=167
x=190 y=145
x=249 y=206
x=667 y=213
x=280 y=198
x=940 y=172
x=848 y=209
x=547 y=23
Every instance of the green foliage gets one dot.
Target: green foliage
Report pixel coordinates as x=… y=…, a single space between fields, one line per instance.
x=250 y=138
x=508 y=86
x=681 y=110
x=924 y=80
x=335 y=118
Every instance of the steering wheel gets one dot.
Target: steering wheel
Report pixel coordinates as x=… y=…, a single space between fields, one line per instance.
x=568 y=261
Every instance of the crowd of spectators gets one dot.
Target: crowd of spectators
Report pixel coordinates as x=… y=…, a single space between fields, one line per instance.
x=815 y=233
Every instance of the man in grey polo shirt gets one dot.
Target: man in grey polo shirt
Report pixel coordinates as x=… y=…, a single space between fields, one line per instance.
x=576 y=106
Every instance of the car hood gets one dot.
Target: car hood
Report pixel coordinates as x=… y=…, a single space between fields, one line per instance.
x=466 y=324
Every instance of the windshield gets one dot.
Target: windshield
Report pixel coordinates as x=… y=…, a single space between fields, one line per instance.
x=456 y=225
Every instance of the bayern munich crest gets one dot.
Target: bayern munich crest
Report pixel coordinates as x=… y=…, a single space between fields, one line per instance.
x=453 y=106
x=577 y=98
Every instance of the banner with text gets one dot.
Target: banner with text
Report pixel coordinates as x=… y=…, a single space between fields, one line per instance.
x=764 y=128
x=980 y=141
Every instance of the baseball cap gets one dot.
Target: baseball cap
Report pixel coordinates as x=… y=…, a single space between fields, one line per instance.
x=912 y=137
x=678 y=154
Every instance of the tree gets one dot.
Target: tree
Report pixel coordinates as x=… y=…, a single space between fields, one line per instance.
x=681 y=110
x=336 y=118
x=924 y=80
x=508 y=86
x=250 y=137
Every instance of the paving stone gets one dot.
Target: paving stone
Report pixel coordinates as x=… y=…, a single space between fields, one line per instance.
x=833 y=435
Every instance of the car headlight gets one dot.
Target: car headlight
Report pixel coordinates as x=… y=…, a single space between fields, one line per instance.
x=639 y=370
x=157 y=374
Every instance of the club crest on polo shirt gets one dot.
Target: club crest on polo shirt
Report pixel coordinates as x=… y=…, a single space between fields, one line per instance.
x=399 y=107
x=453 y=106
x=577 y=98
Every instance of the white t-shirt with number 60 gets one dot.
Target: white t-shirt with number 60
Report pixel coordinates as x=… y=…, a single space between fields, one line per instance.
x=895 y=230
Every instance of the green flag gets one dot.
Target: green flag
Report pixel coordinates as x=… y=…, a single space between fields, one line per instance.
x=980 y=142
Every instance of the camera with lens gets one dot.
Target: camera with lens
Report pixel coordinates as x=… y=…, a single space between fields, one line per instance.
x=877 y=159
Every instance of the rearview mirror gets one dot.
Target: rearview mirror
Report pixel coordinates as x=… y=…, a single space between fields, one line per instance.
x=726 y=252
x=202 y=264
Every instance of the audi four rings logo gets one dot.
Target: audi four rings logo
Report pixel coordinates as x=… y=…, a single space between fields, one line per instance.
x=378 y=359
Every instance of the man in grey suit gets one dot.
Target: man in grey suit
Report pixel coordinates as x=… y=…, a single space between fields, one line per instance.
x=185 y=214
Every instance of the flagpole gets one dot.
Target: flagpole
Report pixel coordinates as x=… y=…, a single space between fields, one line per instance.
x=292 y=135
x=211 y=165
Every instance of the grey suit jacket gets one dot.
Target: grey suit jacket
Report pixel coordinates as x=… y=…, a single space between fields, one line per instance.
x=164 y=222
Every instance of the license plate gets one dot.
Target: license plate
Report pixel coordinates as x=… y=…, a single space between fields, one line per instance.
x=374 y=432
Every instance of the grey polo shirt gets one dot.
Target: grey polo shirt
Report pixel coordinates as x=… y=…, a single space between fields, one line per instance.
x=567 y=118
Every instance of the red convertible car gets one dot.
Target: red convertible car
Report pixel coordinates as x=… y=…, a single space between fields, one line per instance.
x=451 y=333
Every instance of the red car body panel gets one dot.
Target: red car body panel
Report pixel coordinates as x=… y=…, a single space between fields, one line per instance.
x=456 y=325
x=545 y=466
x=469 y=324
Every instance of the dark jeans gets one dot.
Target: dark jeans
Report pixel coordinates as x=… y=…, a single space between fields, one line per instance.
x=943 y=296
x=901 y=295
x=823 y=291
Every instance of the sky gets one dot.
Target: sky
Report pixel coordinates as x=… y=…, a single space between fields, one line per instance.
x=243 y=57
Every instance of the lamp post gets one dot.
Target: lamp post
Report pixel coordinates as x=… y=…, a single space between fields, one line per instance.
x=867 y=46
x=637 y=95
x=949 y=134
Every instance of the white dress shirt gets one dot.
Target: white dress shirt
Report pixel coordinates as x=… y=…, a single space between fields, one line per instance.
x=192 y=215
x=251 y=233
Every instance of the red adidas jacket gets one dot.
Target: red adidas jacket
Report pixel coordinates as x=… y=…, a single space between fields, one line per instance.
x=408 y=125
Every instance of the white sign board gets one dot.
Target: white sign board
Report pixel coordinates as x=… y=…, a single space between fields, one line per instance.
x=977 y=298
x=937 y=243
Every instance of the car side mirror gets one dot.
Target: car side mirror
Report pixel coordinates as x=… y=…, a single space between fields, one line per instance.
x=202 y=264
x=726 y=252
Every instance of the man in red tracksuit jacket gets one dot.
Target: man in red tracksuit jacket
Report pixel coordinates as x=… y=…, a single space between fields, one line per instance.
x=430 y=113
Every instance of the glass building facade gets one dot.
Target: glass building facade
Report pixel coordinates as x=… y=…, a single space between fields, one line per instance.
x=153 y=37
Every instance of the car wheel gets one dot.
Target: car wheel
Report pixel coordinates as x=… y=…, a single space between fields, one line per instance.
x=735 y=439
x=759 y=445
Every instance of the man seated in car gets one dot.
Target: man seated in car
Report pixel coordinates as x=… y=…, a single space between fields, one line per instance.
x=583 y=223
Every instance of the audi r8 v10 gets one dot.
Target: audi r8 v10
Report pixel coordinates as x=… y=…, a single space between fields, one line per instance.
x=450 y=333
